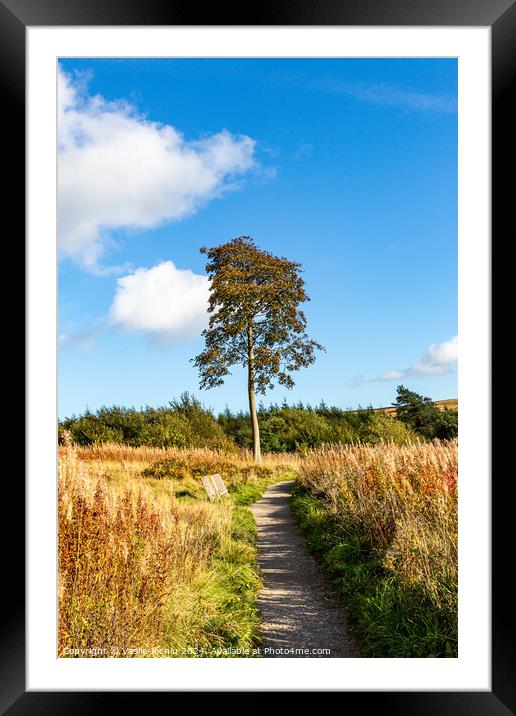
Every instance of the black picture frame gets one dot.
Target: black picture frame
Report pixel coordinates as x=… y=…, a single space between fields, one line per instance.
x=500 y=15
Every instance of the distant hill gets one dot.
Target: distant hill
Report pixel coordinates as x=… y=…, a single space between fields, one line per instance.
x=449 y=404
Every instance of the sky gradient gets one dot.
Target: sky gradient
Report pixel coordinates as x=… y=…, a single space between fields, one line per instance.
x=348 y=166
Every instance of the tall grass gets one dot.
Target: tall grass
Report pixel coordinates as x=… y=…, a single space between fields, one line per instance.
x=135 y=459
x=383 y=520
x=149 y=567
x=145 y=570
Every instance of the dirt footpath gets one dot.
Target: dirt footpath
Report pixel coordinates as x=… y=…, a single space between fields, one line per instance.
x=297 y=605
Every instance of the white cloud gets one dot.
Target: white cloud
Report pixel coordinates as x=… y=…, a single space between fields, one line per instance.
x=437 y=360
x=355 y=380
x=391 y=375
x=168 y=303
x=83 y=340
x=118 y=170
x=388 y=95
x=303 y=151
x=383 y=94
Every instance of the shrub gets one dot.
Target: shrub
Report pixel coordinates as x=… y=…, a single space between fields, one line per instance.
x=184 y=423
x=384 y=428
x=179 y=469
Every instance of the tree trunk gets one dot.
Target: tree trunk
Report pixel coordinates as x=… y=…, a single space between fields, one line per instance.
x=252 y=402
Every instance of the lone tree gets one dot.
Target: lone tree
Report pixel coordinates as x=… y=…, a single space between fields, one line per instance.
x=255 y=321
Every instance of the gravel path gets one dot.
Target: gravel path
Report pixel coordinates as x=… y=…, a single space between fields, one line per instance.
x=298 y=607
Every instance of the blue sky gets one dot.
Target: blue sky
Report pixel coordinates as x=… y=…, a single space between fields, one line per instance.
x=348 y=166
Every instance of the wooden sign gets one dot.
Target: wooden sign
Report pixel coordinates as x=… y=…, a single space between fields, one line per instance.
x=219 y=485
x=214 y=486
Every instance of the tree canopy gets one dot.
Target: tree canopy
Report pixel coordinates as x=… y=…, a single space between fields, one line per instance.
x=424 y=417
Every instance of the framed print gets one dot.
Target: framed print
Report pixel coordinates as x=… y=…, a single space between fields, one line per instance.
x=301 y=201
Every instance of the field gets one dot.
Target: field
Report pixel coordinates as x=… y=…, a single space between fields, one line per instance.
x=149 y=567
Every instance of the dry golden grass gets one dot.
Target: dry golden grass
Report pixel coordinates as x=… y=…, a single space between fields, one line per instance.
x=401 y=502
x=140 y=558
x=137 y=555
x=132 y=456
x=129 y=558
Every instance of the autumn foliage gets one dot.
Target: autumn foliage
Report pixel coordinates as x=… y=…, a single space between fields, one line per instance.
x=255 y=321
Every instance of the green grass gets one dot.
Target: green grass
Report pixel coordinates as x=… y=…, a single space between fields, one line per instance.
x=389 y=620
x=234 y=590
x=227 y=598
